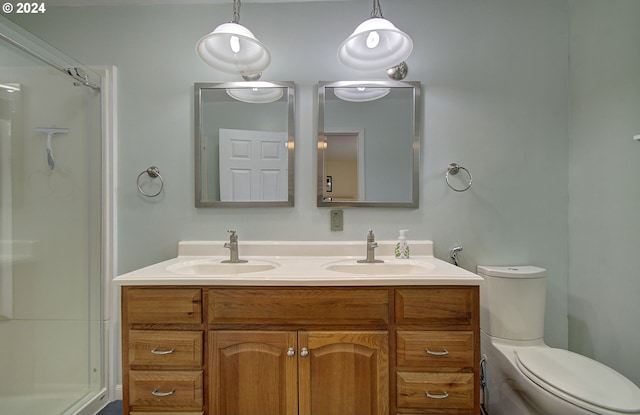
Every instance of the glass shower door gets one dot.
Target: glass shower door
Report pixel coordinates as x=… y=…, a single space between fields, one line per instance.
x=50 y=235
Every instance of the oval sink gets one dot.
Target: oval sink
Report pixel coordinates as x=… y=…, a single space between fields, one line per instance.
x=216 y=267
x=382 y=268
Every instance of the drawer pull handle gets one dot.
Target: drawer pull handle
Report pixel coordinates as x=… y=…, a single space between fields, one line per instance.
x=161 y=352
x=291 y=352
x=161 y=394
x=444 y=395
x=444 y=352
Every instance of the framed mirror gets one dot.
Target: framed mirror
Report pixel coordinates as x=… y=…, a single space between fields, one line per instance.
x=244 y=144
x=368 y=143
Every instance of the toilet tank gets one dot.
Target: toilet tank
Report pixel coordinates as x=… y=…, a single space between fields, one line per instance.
x=512 y=302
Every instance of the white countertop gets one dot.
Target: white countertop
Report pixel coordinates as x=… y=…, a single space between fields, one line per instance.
x=300 y=263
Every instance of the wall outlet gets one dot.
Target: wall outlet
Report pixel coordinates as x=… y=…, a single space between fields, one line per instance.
x=335 y=217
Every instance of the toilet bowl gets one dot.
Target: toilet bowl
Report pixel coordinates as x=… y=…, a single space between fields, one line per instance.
x=523 y=375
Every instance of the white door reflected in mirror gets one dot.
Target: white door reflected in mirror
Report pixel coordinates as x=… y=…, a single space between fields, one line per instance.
x=253 y=165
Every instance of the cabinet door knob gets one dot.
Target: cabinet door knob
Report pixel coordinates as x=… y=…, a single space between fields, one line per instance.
x=155 y=392
x=291 y=352
x=304 y=352
x=444 y=352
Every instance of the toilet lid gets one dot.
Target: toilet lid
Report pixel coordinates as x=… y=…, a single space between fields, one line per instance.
x=579 y=377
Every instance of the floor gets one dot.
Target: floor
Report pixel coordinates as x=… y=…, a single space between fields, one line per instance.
x=114 y=408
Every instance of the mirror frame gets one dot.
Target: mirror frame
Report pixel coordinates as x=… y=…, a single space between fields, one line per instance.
x=289 y=93
x=415 y=196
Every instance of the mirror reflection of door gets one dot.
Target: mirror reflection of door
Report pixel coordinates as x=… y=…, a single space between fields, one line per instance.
x=253 y=165
x=344 y=163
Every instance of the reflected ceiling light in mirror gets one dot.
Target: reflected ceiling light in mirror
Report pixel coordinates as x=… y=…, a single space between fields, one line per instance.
x=232 y=48
x=376 y=44
x=255 y=95
x=10 y=87
x=361 y=93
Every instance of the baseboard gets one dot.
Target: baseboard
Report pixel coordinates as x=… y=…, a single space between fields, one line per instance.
x=118 y=393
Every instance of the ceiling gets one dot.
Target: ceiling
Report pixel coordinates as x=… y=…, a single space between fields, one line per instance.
x=151 y=2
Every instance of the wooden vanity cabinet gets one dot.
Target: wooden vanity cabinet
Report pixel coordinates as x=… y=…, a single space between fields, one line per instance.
x=328 y=355
x=163 y=350
x=291 y=373
x=437 y=350
x=301 y=351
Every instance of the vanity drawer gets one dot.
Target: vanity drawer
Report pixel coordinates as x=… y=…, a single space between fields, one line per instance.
x=435 y=350
x=163 y=305
x=165 y=348
x=298 y=306
x=426 y=390
x=166 y=389
x=436 y=306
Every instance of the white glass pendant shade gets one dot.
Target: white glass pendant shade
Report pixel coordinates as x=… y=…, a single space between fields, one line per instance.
x=255 y=95
x=360 y=93
x=232 y=48
x=376 y=44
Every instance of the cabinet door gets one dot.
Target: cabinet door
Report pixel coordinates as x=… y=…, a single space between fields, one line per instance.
x=251 y=372
x=344 y=373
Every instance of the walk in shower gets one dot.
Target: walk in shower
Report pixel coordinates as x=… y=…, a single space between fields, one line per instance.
x=51 y=250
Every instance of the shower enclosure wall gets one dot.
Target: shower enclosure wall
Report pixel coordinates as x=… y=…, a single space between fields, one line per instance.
x=51 y=231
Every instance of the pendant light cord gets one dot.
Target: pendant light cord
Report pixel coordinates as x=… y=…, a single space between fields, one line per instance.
x=236 y=11
x=377 y=10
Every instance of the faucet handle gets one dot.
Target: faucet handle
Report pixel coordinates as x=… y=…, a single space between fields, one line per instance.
x=370 y=236
x=233 y=236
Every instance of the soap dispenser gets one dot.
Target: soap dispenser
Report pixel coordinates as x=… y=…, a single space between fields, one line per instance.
x=402 y=247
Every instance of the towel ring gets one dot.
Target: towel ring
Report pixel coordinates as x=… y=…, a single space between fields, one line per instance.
x=153 y=172
x=453 y=169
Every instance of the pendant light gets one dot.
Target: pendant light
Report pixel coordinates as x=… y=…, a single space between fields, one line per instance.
x=232 y=48
x=376 y=44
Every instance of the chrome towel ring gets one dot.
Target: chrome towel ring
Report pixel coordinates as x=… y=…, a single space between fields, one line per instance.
x=452 y=170
x=154 y=173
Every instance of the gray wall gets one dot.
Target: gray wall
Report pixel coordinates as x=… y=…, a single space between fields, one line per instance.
x=495 y=79
x=604 y=244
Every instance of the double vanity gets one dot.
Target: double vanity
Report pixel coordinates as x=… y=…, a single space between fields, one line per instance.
x=300 y=328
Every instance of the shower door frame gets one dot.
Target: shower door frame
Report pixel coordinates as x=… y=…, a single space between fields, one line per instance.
x=109 y=295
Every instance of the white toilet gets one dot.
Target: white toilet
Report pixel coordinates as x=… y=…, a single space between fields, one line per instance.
x=523 y=375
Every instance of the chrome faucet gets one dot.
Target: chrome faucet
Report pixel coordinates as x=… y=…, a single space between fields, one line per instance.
x=233 y=249
x=371 y=246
